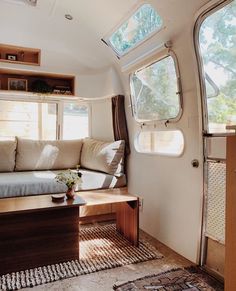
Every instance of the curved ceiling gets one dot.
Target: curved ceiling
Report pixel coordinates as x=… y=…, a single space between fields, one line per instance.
x=76 y=46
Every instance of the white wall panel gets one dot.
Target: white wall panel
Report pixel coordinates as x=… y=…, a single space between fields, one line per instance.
x=172 y=189
x=104 y=83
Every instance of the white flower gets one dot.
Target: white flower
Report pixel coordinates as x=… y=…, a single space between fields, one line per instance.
x=69 y=177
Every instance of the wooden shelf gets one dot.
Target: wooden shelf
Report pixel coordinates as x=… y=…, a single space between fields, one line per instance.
x=19 y=55
x=63 y=84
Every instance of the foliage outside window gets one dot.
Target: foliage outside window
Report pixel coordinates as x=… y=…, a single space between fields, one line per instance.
x=166 y=142
x=155 y=91
x=217 y=40
x=75 y=121
x=138 y=27
x=36 y=120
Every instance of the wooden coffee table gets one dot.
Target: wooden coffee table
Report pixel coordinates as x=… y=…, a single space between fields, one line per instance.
x=34 y=231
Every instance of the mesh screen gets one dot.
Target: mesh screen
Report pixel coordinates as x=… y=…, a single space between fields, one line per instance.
x=215 y=201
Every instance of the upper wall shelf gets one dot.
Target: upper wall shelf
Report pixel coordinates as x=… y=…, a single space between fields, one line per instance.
x=19 y=55
x=27 y=81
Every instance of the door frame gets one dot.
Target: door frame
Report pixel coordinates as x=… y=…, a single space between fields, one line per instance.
x=201 y=15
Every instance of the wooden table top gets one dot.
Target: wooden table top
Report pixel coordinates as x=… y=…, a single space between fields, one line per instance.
x=36 y=203
x=44 y=202
x=106 y=196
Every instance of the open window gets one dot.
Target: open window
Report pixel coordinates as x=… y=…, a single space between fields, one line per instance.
x=216 y=42
x=156 y=96
x=144 y=22
x=156 y=91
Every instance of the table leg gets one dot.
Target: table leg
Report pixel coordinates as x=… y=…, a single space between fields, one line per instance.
x=127 y=220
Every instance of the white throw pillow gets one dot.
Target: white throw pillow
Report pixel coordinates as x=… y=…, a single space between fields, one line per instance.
x=47 y=155
x=102 y=156
x=7 y=155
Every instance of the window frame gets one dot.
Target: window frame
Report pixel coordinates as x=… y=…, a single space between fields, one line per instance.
x=211 y=9
x=135 y=8
x=52 y=100
x=179 y=91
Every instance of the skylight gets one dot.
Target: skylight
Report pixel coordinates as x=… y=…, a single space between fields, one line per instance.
x=139 y=26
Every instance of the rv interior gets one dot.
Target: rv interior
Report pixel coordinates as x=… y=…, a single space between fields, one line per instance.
x=117 y=122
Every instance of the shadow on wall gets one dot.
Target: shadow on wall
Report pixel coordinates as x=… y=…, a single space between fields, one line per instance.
x=103 y=83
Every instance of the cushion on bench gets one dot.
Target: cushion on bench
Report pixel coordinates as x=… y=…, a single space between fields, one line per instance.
x=42 y=182
x=7 y=155
x=47 y=155
x=107 y=157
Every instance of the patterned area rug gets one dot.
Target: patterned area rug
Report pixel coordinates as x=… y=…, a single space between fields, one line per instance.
x=189 y=279
x=101 y=248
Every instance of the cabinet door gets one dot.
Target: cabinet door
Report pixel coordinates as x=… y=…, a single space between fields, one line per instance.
x=230 y=261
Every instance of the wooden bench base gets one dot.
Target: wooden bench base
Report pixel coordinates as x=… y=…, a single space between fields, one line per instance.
x=38 y=239
x=127 y=220
x=125 y=205
x=35 y=232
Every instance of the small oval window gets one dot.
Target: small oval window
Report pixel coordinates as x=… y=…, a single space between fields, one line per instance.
x=166 y=142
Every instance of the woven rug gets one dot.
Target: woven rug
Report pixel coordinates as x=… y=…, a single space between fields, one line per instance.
x=101 y=248
x=189 y=279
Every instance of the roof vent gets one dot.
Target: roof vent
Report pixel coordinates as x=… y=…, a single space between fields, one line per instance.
x=31 y=2
x=68 y=16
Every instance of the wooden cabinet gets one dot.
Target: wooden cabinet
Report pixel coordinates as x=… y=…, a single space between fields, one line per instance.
x=230 y=243
x=17 y=80
x=19 y=55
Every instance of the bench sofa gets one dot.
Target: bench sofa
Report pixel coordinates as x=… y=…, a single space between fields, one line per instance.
x=28 y=167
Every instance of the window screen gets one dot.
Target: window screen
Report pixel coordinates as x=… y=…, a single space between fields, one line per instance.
x=155 y=91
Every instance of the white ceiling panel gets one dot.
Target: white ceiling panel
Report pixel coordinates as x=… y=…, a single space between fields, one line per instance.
x=79 y=40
